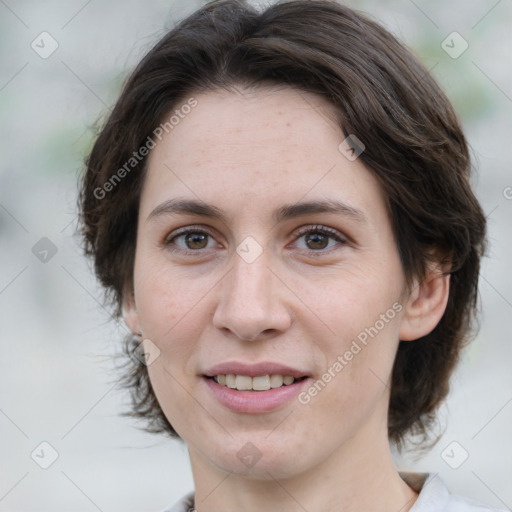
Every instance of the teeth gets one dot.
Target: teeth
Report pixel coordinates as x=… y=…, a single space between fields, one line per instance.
x=230 y=381
x=259 y=383
x=243 y=382
x=276 y=381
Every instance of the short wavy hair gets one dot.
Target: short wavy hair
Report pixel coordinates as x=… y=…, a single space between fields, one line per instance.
x=415 y=147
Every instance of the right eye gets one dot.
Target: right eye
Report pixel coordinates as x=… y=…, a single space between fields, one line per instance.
x=190 y=240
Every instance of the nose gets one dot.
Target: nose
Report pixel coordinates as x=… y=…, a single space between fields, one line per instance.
x=251 y=305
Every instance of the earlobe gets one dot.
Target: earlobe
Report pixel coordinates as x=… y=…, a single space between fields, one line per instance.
x=425 y=305
x=130 y=314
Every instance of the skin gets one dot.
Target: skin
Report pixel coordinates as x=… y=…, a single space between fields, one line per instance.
x=249 y=153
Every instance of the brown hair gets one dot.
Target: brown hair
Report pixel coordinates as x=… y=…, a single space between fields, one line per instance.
x=414 y=146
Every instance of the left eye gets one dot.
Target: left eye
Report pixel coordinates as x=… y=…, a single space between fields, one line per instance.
x=319 y=239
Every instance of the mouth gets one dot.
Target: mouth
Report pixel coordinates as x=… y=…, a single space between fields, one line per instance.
x=254 y=388
x=257 y=383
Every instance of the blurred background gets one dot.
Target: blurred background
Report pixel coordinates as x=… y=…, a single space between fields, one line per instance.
x=61 y=68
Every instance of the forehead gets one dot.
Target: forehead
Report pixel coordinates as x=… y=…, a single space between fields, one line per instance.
x=256 y=147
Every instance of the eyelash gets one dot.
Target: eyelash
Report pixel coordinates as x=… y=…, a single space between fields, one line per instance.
x=317 y=229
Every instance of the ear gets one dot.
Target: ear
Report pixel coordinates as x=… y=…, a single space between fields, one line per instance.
x=425 y=305
x=130 y=313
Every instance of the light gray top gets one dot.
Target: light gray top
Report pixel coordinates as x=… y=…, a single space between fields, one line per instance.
x=433 y=497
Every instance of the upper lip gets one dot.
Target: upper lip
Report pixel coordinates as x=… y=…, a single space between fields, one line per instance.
x=253 y=370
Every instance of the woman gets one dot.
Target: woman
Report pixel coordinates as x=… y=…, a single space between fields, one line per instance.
x=279 y=205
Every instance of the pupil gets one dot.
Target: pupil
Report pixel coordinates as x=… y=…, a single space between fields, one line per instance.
x=196 y=240
x=317 y=241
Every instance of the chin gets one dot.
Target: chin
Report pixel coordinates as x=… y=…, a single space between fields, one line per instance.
x=255 y=457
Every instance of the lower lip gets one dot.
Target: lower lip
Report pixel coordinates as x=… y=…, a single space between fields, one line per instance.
x=255 y=402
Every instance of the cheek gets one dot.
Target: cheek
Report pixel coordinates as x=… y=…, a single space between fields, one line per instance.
x=169 y=386
x=359 y=305
x=166 y=297
x=169 y=316
x=365 y=316
x=353 y=388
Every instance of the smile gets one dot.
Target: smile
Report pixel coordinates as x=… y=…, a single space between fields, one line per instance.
x=258 y=383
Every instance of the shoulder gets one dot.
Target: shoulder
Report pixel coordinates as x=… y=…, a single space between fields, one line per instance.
x=435 y=497
x=185 y=504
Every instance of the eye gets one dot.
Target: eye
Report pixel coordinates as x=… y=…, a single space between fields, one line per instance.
x=194 y=240
x=190 y=240
x=319 y=238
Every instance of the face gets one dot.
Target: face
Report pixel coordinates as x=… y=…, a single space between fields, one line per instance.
x=263 y=250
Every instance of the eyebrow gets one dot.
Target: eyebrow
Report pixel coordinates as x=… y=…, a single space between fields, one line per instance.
x=286 y=212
